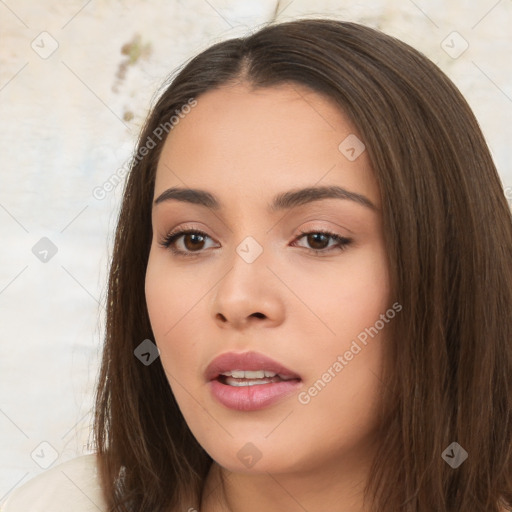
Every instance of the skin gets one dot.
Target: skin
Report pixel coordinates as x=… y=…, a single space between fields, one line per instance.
x=245 y=146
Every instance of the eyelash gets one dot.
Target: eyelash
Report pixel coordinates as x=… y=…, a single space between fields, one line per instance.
x=168 y=241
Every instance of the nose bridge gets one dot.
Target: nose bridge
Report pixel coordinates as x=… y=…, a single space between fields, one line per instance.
x=250 y=249
x=250 y=235
x=245 y=288
x=247 y=267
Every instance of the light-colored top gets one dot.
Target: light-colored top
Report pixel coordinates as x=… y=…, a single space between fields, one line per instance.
x=72 y=485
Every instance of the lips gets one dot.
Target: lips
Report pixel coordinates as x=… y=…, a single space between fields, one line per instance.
x=250 y=381
x=247 y=361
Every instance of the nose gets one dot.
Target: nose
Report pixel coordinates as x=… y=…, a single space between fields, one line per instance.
x=248 y=295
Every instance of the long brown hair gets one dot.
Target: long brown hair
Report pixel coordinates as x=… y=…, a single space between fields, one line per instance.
x=448 y=232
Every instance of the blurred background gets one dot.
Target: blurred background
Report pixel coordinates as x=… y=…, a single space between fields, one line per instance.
x=77 y=78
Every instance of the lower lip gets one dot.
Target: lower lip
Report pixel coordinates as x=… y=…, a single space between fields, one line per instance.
x=252 y=398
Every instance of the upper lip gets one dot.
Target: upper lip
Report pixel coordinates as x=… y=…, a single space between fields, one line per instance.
x=245 y=361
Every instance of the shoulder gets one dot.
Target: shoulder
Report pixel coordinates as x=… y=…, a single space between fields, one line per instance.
x=74 y=483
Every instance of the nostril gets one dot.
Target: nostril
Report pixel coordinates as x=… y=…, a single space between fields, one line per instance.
x=259 y=315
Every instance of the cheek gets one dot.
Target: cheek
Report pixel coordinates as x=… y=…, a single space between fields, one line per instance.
x=174 y=305
x=169 y=300
x=341 y=398
x=343 y=411
x=351 y=307
x=360 y=298
x=349 y=297
x=159 y=298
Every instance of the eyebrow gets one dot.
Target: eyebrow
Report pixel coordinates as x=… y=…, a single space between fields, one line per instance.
x=282 y=201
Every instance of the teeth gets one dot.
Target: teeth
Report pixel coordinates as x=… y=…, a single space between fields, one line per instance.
x=238 y=383
x=247 y=374
x=237 y=374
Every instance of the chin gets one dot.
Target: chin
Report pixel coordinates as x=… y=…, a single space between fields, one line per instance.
x=254 y=455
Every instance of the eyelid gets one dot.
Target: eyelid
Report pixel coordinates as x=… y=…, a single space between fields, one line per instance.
x=313 y=225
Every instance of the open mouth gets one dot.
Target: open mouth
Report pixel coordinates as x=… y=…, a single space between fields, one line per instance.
x=260 y=384
x=240 y=378
x=251 y=393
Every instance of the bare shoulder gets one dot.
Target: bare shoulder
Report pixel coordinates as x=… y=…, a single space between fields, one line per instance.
x=73 y=483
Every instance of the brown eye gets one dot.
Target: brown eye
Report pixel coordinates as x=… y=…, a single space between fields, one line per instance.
x=318 y=241
x=192 y=243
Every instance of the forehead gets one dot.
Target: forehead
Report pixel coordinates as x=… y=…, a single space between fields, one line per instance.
x=246 y=142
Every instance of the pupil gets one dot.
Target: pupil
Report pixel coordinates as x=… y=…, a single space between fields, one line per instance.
x=313 y=239
x=193 y=236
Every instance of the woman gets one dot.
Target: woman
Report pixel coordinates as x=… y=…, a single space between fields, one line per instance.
x=310 y=297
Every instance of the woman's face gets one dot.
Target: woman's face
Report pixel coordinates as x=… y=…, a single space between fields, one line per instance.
x=251 y=282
